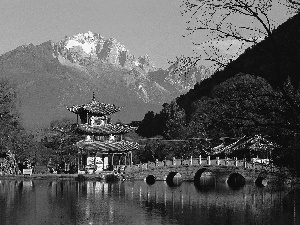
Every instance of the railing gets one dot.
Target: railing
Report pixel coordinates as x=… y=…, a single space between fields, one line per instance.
x=227 y=162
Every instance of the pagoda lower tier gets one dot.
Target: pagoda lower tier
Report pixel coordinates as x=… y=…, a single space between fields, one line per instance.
x=105 y=129
x=97 y=156
x=107 y=147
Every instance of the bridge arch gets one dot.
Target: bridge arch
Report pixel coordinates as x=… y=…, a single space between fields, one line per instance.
x=236 y=180
x=204 y=178
x=150 y=179
x=174 y=179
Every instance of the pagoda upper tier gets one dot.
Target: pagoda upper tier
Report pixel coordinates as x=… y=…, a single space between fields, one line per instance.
x=94 y=108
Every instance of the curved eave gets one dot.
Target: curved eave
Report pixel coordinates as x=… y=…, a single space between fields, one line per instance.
x=108 y=147
x=106 y=129
x=94 y=108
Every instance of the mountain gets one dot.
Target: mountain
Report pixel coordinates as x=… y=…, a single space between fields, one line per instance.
x=52 y=75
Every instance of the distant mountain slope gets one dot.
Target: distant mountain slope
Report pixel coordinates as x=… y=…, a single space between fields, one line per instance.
x=52 y=75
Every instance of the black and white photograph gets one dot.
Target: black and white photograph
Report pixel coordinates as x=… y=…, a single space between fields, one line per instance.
x=149 y=112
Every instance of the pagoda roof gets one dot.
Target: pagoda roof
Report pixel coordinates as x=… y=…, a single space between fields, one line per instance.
x=105 y=129
x=108 y=147
x=95 y=108
x=255 y=143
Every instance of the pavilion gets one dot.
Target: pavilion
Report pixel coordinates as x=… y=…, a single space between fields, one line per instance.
x=103 y=140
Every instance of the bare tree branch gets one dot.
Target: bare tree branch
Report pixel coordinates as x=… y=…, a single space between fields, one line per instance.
x=217 y=17
x=294 y=2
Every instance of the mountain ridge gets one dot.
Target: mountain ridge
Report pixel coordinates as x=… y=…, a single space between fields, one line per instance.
x=51 y=75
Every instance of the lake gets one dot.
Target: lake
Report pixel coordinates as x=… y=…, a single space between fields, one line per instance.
x=90 y=202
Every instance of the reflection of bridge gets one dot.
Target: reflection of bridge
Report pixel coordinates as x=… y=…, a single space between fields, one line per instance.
x=230 y=170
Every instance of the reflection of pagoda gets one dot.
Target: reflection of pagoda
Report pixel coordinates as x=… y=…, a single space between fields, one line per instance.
x=103 y=140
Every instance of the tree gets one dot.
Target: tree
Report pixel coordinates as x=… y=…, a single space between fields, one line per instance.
x=245 y=104
x=233 y=25
x=249 y=105
x=13 y=136
x=293 y=5
x=244 y=21
x=145 y=128
x=187 y=67
x=175 y=123
x=61 y=137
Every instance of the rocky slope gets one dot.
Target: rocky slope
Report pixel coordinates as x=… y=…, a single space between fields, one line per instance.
x=52 y=75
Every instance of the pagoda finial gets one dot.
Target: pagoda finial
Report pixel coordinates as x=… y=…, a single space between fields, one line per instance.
x=93 y=99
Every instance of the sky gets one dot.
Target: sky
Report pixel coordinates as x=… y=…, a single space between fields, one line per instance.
x=152 y=27
x=145 y=27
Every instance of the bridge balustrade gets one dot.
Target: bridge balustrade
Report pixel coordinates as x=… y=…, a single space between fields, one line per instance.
x=195 y=161
x=168 y=162
x=186 y=162
x=160 y=163
x=207 y=162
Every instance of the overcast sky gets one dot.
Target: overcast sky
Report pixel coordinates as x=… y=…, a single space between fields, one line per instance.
x=152 y=27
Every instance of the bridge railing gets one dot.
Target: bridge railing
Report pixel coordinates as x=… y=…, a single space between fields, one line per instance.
x=200 y=161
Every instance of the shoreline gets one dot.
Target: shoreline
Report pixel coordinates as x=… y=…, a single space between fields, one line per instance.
x=51 y=176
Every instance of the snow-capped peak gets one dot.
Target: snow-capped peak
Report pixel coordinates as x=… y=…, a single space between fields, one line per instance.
x=86 y=46
x=87 y=41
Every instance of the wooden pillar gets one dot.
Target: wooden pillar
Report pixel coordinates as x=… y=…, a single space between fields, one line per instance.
x=235 y=162
x=78 y=161
x=130 y=158
x=95 y=162
x=208 y=160
x=103 y=162
x=218 y=160
x=245 y=163
x=80 y=158
x=200 y=159
x=191 y=161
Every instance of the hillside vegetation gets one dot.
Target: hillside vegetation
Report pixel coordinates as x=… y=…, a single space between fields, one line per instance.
x=258 y=93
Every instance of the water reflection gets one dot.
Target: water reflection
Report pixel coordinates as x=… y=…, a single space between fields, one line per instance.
x=204 y=180
x=236 y=181
x=174 y=179
x=70 y=202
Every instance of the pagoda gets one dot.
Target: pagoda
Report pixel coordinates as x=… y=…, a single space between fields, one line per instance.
x=103 y=140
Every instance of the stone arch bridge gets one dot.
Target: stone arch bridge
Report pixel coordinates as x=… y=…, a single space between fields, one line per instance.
x=222 y=170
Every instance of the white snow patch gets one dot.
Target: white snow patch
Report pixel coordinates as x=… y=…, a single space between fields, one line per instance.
x=87 y=47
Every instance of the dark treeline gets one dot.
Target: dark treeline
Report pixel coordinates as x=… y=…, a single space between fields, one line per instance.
x=16 y=144
x=19 y=146
x=256 y=94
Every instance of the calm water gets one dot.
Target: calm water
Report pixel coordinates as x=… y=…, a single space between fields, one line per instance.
x=71 y=202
